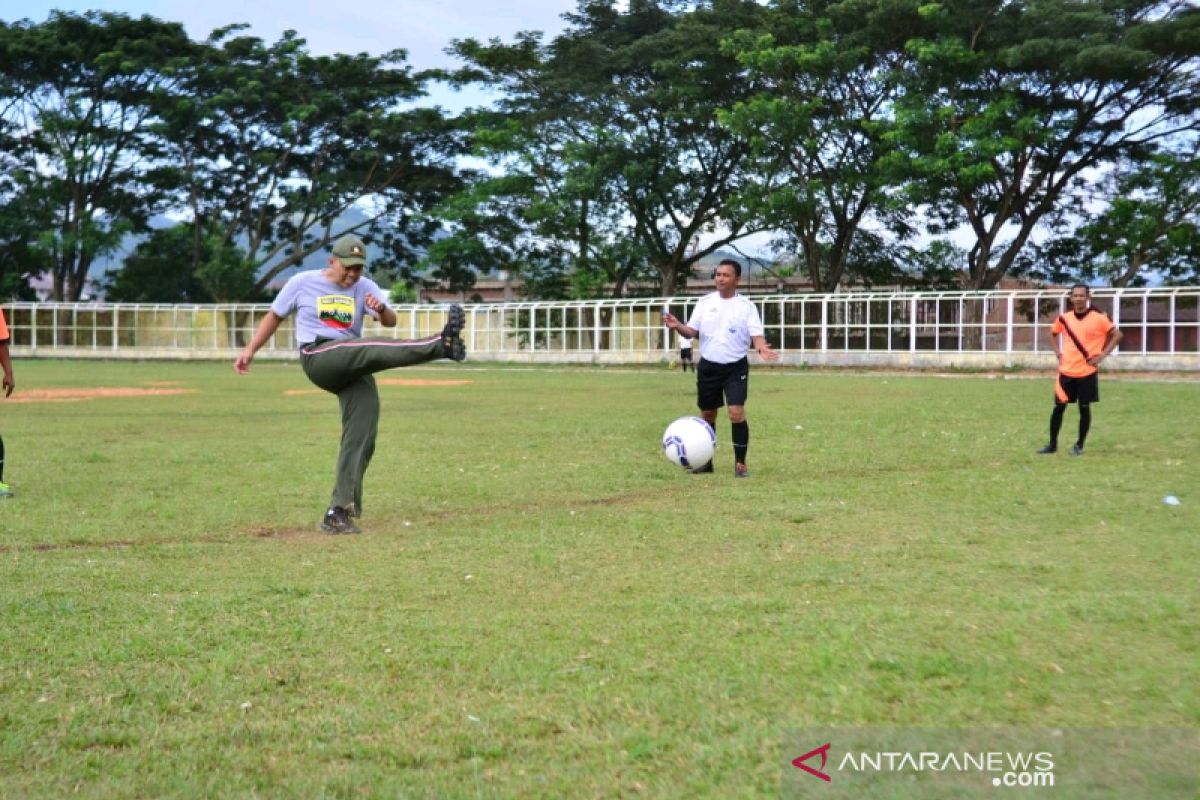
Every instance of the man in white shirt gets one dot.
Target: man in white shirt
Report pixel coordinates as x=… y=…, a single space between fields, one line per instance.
x=728 y=325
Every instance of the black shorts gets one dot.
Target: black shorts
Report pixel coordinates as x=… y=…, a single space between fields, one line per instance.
x=717 y=384
x=685 y=354
x=1084 y=390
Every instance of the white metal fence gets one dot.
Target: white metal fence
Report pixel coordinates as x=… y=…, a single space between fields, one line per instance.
x=905 y=329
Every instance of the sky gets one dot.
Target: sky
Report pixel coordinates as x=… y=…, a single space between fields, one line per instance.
x=422 y=27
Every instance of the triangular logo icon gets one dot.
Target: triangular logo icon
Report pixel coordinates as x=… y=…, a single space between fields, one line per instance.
x=822 y=751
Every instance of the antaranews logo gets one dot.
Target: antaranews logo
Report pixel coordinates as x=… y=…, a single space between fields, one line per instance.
x=1005 y=768
x=989 y=762
x=823 y=752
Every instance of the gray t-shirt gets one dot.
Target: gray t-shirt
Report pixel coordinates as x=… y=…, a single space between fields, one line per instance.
x=325 y=310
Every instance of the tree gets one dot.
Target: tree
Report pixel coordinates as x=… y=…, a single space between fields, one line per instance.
x=817 y=126
x=612 y=131
x=167 y=268
x=80 y=92
x=1149 y=230
x=1007 y=109
x=282 y=152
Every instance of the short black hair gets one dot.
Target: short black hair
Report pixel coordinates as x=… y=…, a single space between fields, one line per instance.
x=737 y=268
x=1083 y=286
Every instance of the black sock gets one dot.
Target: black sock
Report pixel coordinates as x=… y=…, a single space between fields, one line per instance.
x=1 y=459
x=1085 y=423
x=1056 y=418
x=741 y=440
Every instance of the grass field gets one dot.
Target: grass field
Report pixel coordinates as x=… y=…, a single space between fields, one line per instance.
x=542 y=606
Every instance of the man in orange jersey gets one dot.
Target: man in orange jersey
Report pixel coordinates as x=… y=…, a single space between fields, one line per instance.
x=1082 y=338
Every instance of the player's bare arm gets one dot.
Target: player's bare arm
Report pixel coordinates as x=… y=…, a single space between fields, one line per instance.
x=265 y=330
x=385 y=315
x=1110 y=343
x=6 y=364
x=764 y=350
x=673 y=323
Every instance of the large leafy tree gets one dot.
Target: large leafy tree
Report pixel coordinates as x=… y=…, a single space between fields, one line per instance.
x=1143 y=226
x=1009 y=108
x=167 y=267
x=281 y=152
x=817 y=127
x=80 y=92
x=612 y=129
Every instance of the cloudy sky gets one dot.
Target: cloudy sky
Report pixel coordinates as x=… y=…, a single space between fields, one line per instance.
x=422 y=27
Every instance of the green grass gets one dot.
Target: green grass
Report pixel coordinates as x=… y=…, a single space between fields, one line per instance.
x=541 y=606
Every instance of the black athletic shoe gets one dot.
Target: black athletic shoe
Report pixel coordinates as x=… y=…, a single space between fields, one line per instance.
x=1047 y=450
x=706 y=468
x=1076 y=449
x=338 y=521
x=453 y=346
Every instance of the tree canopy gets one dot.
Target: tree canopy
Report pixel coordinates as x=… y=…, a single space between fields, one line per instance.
x=876 y=141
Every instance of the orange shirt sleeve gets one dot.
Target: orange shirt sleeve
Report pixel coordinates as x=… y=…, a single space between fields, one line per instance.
x=3 y=326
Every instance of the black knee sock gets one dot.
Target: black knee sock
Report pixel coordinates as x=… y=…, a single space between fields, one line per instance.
x=1085 y=423
x=741 y=440
x=1056 y=419
x=1 y=459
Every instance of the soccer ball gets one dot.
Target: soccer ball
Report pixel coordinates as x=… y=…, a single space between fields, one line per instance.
x=689 y=442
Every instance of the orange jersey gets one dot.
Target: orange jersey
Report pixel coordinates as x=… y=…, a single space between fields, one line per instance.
x=1092 y=333
x=3 y=326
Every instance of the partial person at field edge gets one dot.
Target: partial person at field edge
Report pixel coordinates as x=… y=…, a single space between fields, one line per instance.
x=8 y=385
x=330 y=305
x=728 y=325
x=1082 y=338
x=685 y=353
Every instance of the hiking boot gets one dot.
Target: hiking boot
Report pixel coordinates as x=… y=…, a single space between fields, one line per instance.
x=1047 y=450
x=741 y=471
x=338 y=521
x=453 y=346
x=1076 y=449
x=5 y=490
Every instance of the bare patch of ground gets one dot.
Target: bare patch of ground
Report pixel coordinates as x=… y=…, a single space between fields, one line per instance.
x=79 y=395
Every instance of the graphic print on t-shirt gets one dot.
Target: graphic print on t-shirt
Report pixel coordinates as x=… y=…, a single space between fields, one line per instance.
x=335 y=310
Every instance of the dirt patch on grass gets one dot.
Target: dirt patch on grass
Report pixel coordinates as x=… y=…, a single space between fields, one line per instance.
x=79 y=395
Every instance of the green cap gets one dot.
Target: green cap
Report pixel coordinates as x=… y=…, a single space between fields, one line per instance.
x=350 y=250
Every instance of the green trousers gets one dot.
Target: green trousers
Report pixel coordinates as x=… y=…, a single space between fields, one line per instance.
x=346 y=368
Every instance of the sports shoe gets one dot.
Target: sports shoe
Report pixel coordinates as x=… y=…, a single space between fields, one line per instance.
x=1076 y=449
x=706 y=468
x=453 y=346
x=338 y=521
x=1047 y=450
x=741 y=471
x=5 y=490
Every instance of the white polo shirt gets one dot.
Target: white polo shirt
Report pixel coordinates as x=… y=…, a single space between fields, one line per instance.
x=726 y=327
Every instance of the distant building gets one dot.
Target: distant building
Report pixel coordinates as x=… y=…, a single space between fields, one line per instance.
x=43 y=286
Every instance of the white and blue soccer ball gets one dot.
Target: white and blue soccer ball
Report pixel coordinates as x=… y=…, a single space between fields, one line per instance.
x=689 y=442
